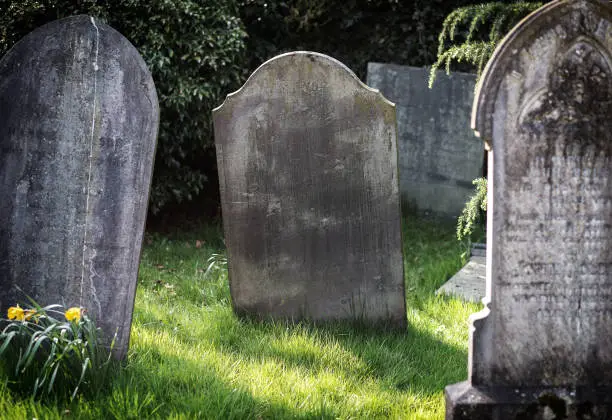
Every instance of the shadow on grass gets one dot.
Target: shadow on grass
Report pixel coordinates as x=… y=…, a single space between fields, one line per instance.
x=411 y=361
x=194 y=388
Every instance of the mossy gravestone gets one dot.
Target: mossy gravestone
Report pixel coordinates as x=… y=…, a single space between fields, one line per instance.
x=542 y=349
x=309 y=191
x=78 y=126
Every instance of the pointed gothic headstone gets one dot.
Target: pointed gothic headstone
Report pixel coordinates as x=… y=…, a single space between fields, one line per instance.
x=542 y=349
x=78 y=126
x=309 y=191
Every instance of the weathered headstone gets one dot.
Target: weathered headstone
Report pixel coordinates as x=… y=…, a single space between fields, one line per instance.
x=309 y=191
x=78 y=126
x=543 y=347
x=439 y=156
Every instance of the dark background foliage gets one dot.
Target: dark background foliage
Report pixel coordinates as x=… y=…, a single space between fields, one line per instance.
x=352 y=31
x=200 y=50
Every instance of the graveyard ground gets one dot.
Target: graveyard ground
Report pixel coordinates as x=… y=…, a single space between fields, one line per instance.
x=190 y=357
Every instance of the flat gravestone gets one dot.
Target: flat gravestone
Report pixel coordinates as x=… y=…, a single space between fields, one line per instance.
x=468 y=283
x=309 y=191
x=543 y=347
x=439 y=156
x=78 y=126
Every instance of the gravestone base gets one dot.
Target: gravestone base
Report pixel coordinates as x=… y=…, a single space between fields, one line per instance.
x=464 y=402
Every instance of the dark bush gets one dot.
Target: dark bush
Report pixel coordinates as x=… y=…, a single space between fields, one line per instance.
x=353 y=31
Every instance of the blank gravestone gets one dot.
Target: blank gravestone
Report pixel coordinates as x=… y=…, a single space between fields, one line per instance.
x=439 y=156
x=543 y=347
x=78 y=126
x=309 y=191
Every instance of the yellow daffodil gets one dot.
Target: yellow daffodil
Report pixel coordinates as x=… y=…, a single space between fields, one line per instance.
x=15 y=312
x=28 y=314
x=73 y=314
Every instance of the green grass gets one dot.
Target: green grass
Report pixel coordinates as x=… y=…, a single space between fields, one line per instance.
x=191 y=357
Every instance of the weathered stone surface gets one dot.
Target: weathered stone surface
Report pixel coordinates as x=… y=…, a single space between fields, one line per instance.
x=469 y=282
x=467 y=402
x=544 y=107
x=309 y=192
x=439 y=156
x=78 y=125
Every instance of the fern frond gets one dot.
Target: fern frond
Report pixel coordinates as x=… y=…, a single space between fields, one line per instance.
x=474 y=209
x=473 y=53
x=470 y=34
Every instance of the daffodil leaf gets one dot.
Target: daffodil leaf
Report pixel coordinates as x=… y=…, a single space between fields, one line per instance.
x=7 y=340
x=34 y=349
x=52 y=380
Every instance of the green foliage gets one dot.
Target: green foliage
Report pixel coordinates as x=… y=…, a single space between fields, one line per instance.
x=474 y=211
x=216 y=263
x=470 y=34
x=43 y=355
x=125 y=403
x=194 y=50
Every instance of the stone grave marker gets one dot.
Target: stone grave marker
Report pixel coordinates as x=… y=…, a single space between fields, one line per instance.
x=439 y=156
x=542 y=349
x=78 y=128
x=309 y=192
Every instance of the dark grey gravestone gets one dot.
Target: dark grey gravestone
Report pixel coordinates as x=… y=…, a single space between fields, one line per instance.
x=78 y=126
x=309 y=193
x=542 y=349
x=439 y=155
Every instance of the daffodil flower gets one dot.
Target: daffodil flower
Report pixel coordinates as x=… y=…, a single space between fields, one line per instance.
x=15 y=312
x=73 y=314
x=28 y=314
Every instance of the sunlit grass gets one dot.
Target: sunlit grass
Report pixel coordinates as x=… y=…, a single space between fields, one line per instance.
x=191 y=357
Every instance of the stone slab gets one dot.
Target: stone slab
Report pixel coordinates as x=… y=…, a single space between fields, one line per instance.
x=78 y=127
x=469 y=283
x=309 y=192
x=439 y=155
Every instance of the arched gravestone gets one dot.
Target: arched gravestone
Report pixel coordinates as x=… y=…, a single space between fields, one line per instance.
x=543 y=347
x=309 y=191
x=78 y=127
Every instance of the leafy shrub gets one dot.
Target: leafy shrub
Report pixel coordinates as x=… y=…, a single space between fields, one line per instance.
x=474 y=211
x=194 y=50
x=41 y=354
x=470 y=34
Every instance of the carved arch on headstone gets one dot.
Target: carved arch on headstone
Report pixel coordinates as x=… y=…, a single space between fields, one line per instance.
x=507 y=56
x=576 y=98
x=588 y=61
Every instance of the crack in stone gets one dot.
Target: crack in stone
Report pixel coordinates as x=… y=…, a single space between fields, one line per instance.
x=92 y=272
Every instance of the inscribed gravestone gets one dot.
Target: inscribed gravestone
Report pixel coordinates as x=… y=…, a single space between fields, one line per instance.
x=439 y=156
x=309 y=191
x=78 y=126
x=543 y=347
